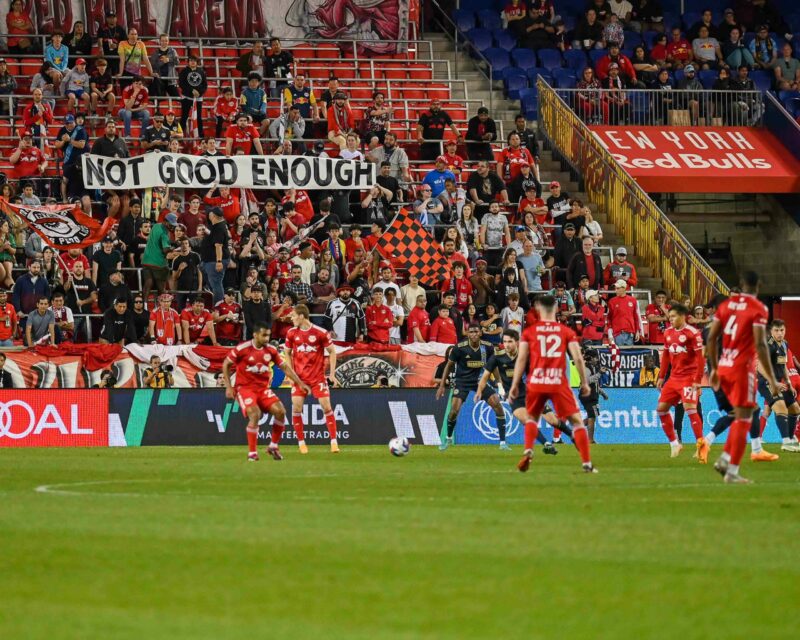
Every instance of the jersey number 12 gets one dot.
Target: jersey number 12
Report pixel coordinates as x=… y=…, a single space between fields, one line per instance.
x=549 y=346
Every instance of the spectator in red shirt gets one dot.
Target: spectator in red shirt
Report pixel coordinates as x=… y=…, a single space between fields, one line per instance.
x=198 y=324
x=225 y=109
x=242 y=135
x=8 y=320
x=657 y=318
x=626 y=69
x=593 y=319
x=226 y=201
x=679 y=50
x=418 y=322
x=228 y=318
x=340 y=120
x=460 y=284
x=513 y=157
x=355 y=241
x=623 y=316
x=379 y=319
x=70 y=257
x=134 y=105
x=454 y=162
x=28 y=161
x=37 y=115
x=193 y=217
x=620 y=269
x=443 y=328
x=165 y=323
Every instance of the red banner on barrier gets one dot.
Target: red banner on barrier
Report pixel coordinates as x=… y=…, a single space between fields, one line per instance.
x=703 y=159
x=63 y=418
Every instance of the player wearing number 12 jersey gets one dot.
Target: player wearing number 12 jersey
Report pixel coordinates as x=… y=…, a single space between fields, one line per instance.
x=742 y=321
x=253 y=361
x=306 y=346
x=544 y=346
x=683 y=358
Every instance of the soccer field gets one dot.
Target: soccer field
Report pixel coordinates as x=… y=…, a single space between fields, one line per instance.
x=197 y=543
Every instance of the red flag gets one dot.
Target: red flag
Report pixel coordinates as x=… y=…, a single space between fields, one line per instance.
x=61 y=226
x=616 y=357
x=408 y=245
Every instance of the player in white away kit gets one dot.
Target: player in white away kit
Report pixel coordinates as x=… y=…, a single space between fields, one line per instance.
x=306 y=346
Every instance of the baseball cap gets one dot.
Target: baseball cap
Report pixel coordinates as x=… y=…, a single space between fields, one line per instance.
x=170 y=112
x=614 y=65
x=441 y=159
x=591 y=293
x=345 y=287
x=108 y=239
x=583 y=276
x=555 y=183
x=319 y=146
x=80 y=61
x=620 y=284
x=689 y=68
x=622 y=251
x=69 y=118
x=230 y=291
x=340 y=95
x=483 y=110
x=450 y=142
x=171 y=219
x=27 y=134
x=519 y=228
x=479 y=260
x=569 y=225
x=111 y=13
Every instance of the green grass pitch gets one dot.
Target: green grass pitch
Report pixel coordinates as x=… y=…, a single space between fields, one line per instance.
x=195 y=543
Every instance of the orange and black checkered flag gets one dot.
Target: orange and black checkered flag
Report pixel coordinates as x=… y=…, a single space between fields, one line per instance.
x=408 y=245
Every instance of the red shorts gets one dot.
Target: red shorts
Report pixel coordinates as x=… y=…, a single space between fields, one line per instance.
x=263 y=397
x=795 y=380
x=677 y=392
x=563 y=399
x=739 y=387
x=318 y=390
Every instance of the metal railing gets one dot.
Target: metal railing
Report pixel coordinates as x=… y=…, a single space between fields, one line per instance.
x=657 y=241
x=681 y=108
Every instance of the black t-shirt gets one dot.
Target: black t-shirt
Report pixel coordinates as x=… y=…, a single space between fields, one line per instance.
x=141 y=323
x=137 y=249
x=80 y=289
x=504 y=364
x=278 y=65
x=559 y=205
x=151 y=134
x=109 y=292
x=391 y=183
x=107 y=262
x=433 y=125
x=218 y=234
x=117 y=327
x=487 y=187
x=469 y=362
x=188 y=279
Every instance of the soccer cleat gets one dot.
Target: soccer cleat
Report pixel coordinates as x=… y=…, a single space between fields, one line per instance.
x=334 y=447
x=525 y=464
x=274 y=452
x=721 y=466
x=504 y=446
x=252 y=456
x=303 y=448
x=764 y=456
x=549 y=449
x=588 y=467
x=702 y=451
x=675 y=449
x=556 y=440
x=445 y=444
x=791 y=448
x=735 y=478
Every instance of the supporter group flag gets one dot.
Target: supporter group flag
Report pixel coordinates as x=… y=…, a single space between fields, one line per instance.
x=62 y=226
x=408 y=245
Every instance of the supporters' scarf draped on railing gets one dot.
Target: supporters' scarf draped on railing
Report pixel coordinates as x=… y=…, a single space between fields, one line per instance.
x=63 y=226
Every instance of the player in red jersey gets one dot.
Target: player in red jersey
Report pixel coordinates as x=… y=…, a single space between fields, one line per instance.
x=306 y=345
x=682 y=357
x=253 y=361
x=742 y=321
x=545 y=344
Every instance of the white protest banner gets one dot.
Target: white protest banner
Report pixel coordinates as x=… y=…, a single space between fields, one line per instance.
x=251 y=172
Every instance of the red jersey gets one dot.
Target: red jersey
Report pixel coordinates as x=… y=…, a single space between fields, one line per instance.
x=513 y=159
x=515 y=12
x=444 y=330
x=166 y=326
x=242 y=138
x=69 y=262
x=28 y=163
x=738 y=315
x=254 y=366
x=308 y=349
x=226 y=108
x=418 y=319
x=623 y=315
x=8 y=320
x=230 y=206
x=283 y=270
x=680 y=50
x=302 y=204
x=463 y=288
x=228 y=329
x=455 y=163
x=654 y=329
x=547 y=348
x=140 y=99
x=37 y=114
x=682 y=354
x=790 y=366
x=379 y=320
x=197 y=323
x=542 y=216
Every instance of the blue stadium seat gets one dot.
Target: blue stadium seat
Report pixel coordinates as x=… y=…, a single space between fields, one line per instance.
x=762 y=80
x=596 y=54
x=632 y=39
x=472 y=5
x=690 y=18
x=707 y=77
x=523 y=58
x=464 y=19
x=677 y=76
x=529 y=98
x=535 y=72
x=514 y=84
x=549 y=58
x=564 y=78
x=499 y=60
x=480 y=39
x=640 y=107
x=575 y=60
x=489 y=19
x=504 y=39
x=649 y=38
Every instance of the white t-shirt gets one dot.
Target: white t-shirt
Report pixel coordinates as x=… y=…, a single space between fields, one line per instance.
x=308 y=266
x=380 y=284
x=346 y=154
x=397 y=311
x=621 y=9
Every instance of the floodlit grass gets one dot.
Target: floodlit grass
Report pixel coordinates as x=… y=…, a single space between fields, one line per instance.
x=196 y=543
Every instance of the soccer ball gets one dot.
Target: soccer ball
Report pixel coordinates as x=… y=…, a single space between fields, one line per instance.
x=399 y=447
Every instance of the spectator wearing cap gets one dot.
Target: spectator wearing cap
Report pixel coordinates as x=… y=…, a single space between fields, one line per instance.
x=520 y=233
x=228 y=319
x=679 y=50
x=344 y=317
x=341 y=120
x=173 y=126
x=626 y=71
x=164 y=61
x=615 y=97
x=566 y=247
x=75 y=85
x=156 y=137
x=8 y=87
x=453 y=161
x=620 y=270
x=379 y=318
x=436 y=177
x=585 y=262
x=290 y=125
x=558 y=203
x=165 y=323
x=692 y=95
x=481 y=132
x=157 y=253
x=110 y=35
x=28 y=160
x=110 y=144
x=73 y=141
x=764 y=48
x=427 y=208
x=135 y=103
x=430 y=130
x=215 y=252
x=593 y=319
x=114 y=288
x=193 y=83
x=624 y=323
x=105 y=262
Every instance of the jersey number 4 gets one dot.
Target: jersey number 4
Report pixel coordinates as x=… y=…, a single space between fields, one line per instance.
x=731 y=327
x=550 y=346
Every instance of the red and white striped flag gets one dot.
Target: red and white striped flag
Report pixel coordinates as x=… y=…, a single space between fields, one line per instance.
x=616 y=357
x=191 y=122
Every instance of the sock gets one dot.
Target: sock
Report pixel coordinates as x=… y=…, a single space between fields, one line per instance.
x=678 y=421
x=581 y=437
x=762 y=424
x=721 y=425
x=556 y=433
x=540 y=437
x=667 y=426
x=792 y=425
x=782 y=421
x=277 y=432
x=330 y=422
x=531 y=431
x=501 y=426
x=710 y=437
x=563 y=426
x=755 y=426
x=451 y=426
x=696 y=420
x=733 y=469
x=755 y=445
x=252 y=438
x=297 y=423
x=738 y=440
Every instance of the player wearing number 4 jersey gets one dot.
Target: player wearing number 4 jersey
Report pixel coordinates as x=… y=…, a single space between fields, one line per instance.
x=544 y=346
x=683 y=358
x=253 y=361
x=742 y=321
x=306 y=346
